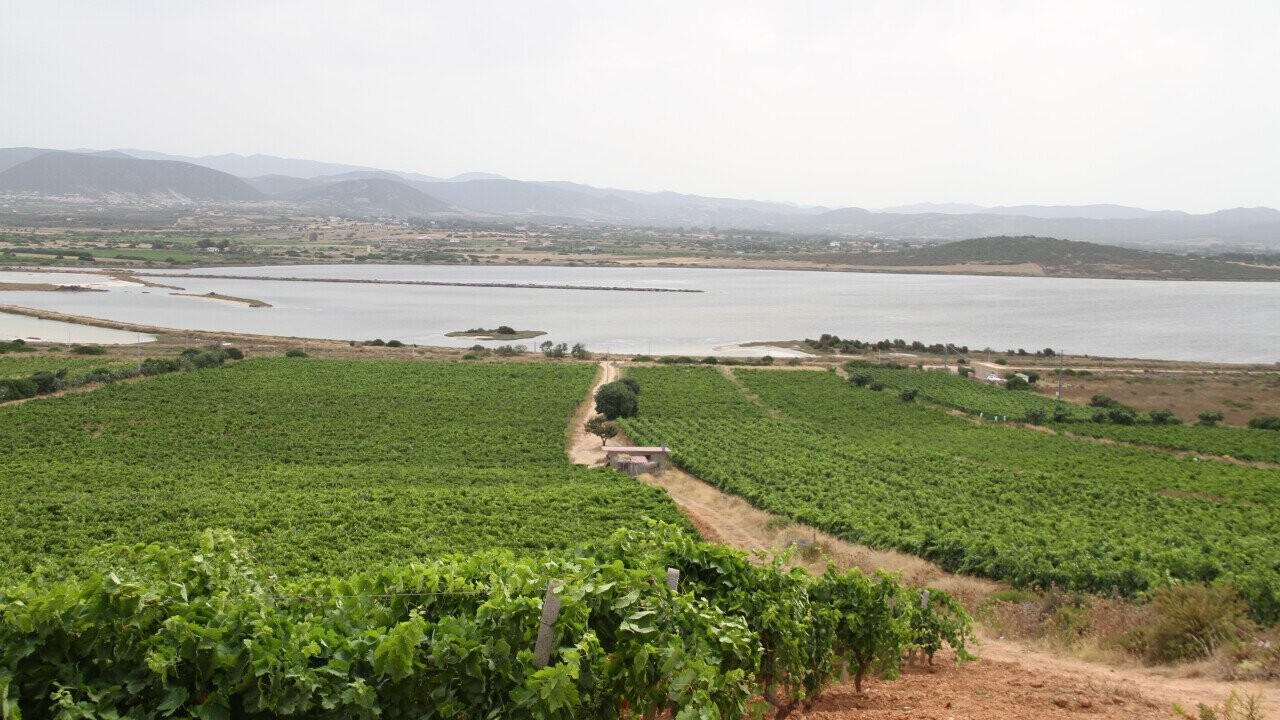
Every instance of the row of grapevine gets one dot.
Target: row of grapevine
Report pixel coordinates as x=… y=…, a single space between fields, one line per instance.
x=1239 y=443
x=992 y=500
x=162 y=632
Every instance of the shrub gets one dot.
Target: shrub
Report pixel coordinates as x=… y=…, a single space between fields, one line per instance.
x=233 y=353
x=377 y=342
x=1035 y=416
x=1163 y=416
x=505 y=330
x=17 y=389
x=1210 y=418
x=88 y=350
x=1265 y=422
x=766 y=360
x=1191 y=622
x=1121 y=416
x=1013 y=382
x=710 y=360
x=641 y=358
x=209 y=358
x=395 y=343
x=876 y=386
x=295 y=352
x=1001 y=361
x=908 y=394
x=632 y=384
x=1033 y=377
x=45 y=382
x=580 y=352
x=159 y=366
x=860 y=379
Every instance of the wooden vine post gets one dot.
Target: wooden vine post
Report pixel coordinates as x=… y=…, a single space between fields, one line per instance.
x=550 y=612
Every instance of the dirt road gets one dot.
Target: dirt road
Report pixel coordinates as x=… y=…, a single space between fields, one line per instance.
x=585 y=448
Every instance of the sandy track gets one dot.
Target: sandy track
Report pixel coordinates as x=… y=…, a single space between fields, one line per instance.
x=585 y=448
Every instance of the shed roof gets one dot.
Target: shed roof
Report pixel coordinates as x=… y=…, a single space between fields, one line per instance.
x=635 y=450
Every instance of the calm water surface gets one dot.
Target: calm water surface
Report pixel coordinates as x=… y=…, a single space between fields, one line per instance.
x=1215 y=321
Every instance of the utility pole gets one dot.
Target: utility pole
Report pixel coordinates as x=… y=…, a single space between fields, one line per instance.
x=138 y=337
x=1060 y=359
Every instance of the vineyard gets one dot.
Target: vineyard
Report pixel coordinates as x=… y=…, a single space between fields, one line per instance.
x=992 y=500
x=162 y=631
x=315 y=466
x=978 y=398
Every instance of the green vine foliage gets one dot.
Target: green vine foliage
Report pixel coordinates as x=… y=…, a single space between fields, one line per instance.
x=999 y=501
x=164 y=632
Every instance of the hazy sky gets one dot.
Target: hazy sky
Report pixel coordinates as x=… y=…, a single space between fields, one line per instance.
x=1158 y=104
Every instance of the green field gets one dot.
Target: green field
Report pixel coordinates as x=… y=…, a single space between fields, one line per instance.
x=316 y=466
x=992 y=500
x=971 y=396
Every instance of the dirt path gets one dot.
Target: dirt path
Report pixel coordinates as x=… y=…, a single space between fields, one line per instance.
x=585 y=448
x=1010 y=680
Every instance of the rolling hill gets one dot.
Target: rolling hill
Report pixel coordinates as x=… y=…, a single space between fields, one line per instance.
x=1067 y=258
x=60 y=173
x=376 y=196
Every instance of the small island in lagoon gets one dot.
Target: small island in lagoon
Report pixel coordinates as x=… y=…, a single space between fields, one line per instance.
x=502 y=332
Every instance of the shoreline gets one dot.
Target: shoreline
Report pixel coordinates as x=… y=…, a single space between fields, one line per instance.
x=957 y=270
x=430 y=283
x=1105 y=362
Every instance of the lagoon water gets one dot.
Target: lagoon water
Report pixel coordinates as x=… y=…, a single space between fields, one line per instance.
x=1213 y=321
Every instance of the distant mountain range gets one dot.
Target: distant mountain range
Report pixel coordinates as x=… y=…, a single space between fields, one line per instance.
x=107 y=175
x=339 y=189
